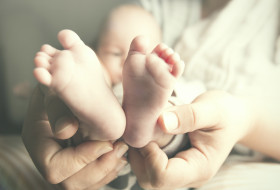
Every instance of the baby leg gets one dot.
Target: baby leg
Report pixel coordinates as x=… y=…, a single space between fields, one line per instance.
x=148 y=80
x=76 y=76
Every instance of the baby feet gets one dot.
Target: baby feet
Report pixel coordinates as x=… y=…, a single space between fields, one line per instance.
x=148 y=81
x=76 y=76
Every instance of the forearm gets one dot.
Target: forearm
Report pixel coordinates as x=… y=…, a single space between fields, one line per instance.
x=264 y=133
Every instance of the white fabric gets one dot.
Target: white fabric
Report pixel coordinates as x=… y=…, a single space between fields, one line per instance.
x=236 y=49
x=17 y=170
x=173 y=16
x=245 y=176
x=233 y=50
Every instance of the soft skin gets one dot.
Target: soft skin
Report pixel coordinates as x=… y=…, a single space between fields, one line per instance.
x=215 y=122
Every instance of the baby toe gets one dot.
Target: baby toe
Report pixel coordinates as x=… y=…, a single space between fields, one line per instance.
x=41 y=61
x=173 y=58
x=43 y=55
x=139 y=44
x=46 y=48
x=178 y=68
x=159 y=49
x=159 y=70
x=69 y=39
x=42 y=76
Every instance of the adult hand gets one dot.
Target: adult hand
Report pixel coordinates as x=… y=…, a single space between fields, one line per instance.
x=214 y=121
x=63 y=123
x=91 y=164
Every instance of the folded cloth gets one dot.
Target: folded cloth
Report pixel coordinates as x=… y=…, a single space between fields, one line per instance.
x=17 y=171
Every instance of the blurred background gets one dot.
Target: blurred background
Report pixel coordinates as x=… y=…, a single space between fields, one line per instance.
x=25 y=25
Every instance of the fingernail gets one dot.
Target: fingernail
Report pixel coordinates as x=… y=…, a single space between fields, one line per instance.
x=63 y=124
x=170 y=120
x=105 y=150
x=121 y=150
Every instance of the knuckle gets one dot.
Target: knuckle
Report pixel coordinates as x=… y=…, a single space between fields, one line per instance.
x=206 y=175
x=157 y=182
x=154 y=181
x=52 y=176
x=69 y=186
x=144 y=184
x=52 y=172
x=106 y=171
x=82 y=160
x=158 y=179
x=193 y=118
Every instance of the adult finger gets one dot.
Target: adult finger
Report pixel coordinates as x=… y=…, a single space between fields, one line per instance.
x=190 y=168
x=99 y=172
x=65 y=127
x=57 y=163
x=64 y=124
x=57 y=166
x=147 y=164
x=53 y=160
x=204 y=112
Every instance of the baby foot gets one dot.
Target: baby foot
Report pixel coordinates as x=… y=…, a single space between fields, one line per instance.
x=148 y=81
x=76 y=76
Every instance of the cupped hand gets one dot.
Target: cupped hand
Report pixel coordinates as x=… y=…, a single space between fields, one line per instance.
x=91 y=164
x=214 y=123
x=62 y=121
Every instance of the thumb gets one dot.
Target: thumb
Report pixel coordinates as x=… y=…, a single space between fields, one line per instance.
x=177 y=119
x=63 y=123
x=189 y=117
x=65 y=127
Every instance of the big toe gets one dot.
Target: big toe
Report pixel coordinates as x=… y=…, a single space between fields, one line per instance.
x=139 y=44
x=69 y=39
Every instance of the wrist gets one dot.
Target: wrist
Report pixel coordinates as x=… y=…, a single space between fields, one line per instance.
x=236 y=114
x=263 y=134
x=250 y=117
